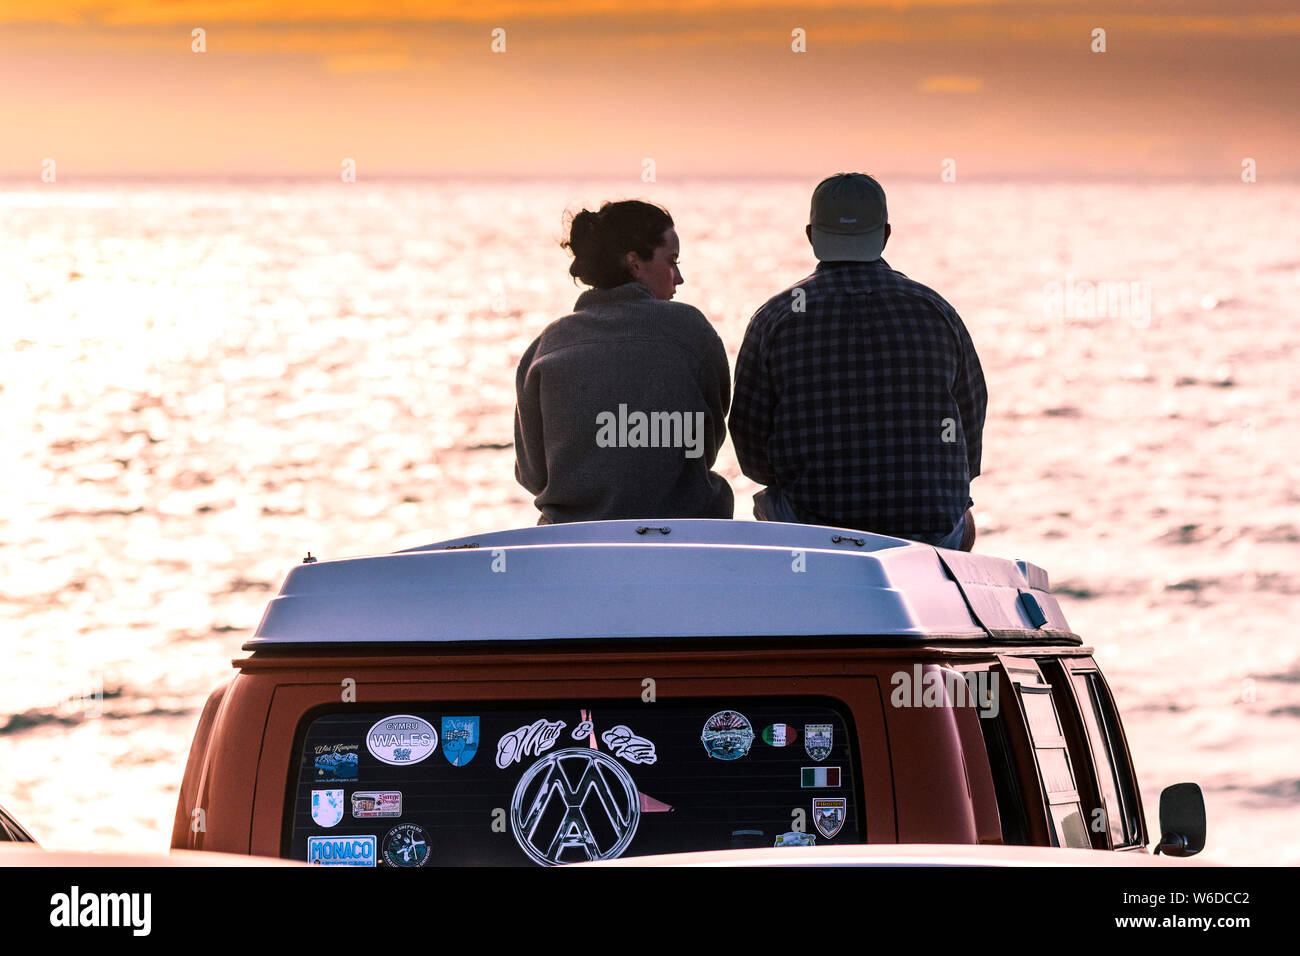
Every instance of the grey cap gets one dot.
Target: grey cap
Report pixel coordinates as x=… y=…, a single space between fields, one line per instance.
x=848 y=218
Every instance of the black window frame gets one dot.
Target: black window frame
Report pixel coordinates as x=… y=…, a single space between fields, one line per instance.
x=855 y=773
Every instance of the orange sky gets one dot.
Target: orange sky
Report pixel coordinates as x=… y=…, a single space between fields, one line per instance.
x=593 y=87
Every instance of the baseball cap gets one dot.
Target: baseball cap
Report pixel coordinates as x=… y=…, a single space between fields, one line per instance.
x=848 y=218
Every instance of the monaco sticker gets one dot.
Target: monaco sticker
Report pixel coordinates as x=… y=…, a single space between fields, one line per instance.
x=341 y=851
x=401 y=739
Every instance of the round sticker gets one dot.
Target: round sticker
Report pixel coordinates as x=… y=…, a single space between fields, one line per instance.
x=780 y=735
x=401 y=739
x=727 y=735
x=406 y=845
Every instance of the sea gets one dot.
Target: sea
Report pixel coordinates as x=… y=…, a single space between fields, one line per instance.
x=203 y=381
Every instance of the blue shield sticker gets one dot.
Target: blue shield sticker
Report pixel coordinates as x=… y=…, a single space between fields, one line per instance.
x=459 y=739
x=327 y=807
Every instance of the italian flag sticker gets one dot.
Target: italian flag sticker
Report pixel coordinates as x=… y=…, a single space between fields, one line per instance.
x=780 y=735
x=819 y=777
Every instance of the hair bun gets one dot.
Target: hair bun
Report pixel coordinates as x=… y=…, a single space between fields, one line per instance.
x=600 y=240
x=583 y=231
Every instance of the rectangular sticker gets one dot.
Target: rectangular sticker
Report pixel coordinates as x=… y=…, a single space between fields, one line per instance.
x=377 y=803
x=819 y=777
x=341 y=851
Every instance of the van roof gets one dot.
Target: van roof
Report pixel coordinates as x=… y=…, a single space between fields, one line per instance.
x=688 y=578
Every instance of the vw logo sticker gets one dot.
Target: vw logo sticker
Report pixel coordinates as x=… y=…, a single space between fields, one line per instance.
x=580 y=787
x=401 y=739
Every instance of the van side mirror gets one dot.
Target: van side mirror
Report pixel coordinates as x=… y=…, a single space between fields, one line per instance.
x=1182 y=820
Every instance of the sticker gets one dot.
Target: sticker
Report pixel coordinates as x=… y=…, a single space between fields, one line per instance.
x=819 y=777
x=727 y=735
x=829 y=814
x=818 y=740
x=459 y=739
x=594 y=799
x=623 y=743
x=336 y=762
x=795 y=839
x=780 y=735
x=327 y=807
x=406 y=845
x=401 y=739
x=377 y=803
x=535 y=739
x=341 y=851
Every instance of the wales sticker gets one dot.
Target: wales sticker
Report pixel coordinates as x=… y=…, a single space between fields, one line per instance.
x=828 y=815
x=779 y=735
x=459 y=739
x=406 y=845
x=326 y=807
x=401 y=739
x=818 y=740
x=727 y=735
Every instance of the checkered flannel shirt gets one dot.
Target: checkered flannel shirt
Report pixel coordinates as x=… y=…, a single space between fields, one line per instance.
x=863 y=401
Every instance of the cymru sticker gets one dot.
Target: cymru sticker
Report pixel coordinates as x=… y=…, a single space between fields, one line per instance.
x=401 y=739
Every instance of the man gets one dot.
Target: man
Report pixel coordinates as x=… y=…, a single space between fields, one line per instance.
x=859 y=400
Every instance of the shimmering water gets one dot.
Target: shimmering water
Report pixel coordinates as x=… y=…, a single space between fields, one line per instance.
x=199 y=383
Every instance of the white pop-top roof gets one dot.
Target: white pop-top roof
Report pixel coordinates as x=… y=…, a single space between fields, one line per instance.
x=667 y=579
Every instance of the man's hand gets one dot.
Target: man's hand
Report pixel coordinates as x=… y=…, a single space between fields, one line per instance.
x=968 y=539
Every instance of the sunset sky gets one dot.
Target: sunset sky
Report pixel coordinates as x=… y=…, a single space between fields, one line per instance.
x=594 y=87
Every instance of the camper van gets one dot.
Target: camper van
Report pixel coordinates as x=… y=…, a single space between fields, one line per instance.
x=618 y=690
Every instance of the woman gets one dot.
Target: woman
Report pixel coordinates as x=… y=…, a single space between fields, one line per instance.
x=622 y=405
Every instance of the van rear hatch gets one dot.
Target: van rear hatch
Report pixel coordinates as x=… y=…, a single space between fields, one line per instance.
x=567 y=781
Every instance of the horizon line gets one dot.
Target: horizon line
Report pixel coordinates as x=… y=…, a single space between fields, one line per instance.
x=1231 y=178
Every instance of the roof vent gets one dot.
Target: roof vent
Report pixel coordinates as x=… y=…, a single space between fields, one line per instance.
x=1033 y=609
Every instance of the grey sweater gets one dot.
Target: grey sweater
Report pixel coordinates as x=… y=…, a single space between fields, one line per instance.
x=621 y=409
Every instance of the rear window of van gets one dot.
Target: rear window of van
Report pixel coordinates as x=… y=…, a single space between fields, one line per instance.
x=569 y=781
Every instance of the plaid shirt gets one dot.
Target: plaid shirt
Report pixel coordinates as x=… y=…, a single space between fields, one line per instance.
x=864 y=403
